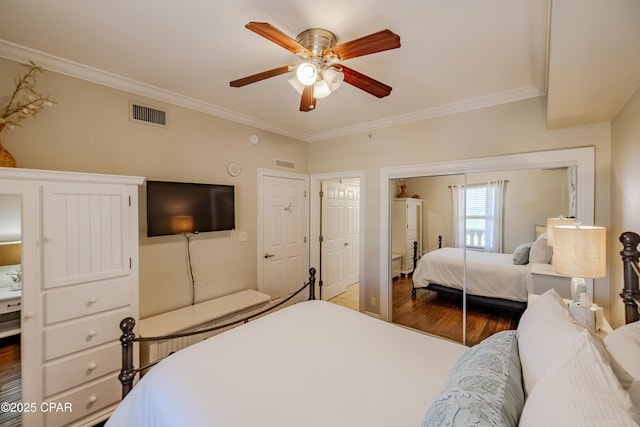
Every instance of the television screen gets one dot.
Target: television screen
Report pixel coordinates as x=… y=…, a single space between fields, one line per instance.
x=181 y=207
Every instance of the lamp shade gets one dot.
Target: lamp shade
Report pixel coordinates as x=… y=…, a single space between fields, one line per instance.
x=321 y=89
x=333 y=78
x=181 y=224
x=307 y=73
x=552 y=222
x=580 y=251
x=299 y=87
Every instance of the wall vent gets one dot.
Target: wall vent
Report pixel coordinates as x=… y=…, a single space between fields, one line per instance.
x=286 y=164
x=146 y=114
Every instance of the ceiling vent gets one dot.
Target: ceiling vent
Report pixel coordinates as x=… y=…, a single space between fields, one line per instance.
x=148 y=115
x=285 y=164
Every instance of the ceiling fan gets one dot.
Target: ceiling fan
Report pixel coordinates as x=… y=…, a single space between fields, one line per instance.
x=321 y=72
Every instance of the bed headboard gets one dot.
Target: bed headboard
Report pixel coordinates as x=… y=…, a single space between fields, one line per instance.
x=631 y=292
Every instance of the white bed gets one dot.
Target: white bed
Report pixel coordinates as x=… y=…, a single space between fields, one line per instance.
x=488 y=274
x=328 y=366
x=318 y=364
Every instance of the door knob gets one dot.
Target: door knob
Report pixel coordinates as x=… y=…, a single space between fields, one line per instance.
x=266 y=255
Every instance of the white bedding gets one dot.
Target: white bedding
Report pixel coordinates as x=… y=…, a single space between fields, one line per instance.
x=487 y=274
x=314 y=363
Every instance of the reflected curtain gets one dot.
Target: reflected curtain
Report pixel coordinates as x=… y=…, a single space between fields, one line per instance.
x=573 y=191
x=494 y=216
x=457 y=197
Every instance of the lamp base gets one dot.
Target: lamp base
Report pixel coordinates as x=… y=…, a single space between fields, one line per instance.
x=578 y=287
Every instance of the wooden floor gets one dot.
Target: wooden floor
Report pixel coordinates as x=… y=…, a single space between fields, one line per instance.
x=442 y=315
x=10 y=378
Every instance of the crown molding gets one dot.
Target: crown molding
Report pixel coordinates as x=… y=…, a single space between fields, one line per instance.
x=430 y=113
x=69 y=68
x=59 y=65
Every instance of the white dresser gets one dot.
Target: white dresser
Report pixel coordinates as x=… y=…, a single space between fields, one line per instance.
x=406 y=228
x=80 y=278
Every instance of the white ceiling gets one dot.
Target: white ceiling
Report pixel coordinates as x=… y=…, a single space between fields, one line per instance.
x=456 y=55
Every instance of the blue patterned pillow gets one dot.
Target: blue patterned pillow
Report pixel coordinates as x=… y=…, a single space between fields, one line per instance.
x=521 y=254
x=484 y=387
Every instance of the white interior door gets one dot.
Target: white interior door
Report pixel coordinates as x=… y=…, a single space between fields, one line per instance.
x=340 y=229
x=284 y=250
x=334 y=239
x=352 y=236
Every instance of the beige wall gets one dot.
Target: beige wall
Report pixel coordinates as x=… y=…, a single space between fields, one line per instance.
x=505 y=129
x=88 y=130
x=625 y=191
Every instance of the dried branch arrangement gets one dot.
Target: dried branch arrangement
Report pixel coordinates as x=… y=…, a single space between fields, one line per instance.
x=25 y=101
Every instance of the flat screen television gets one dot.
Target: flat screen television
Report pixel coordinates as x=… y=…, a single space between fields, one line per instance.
x=182 y=207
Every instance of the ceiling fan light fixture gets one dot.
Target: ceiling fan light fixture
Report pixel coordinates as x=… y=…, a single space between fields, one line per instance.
x=321 y=89
x=333 y=78
x=293 y=81
x=307 y=73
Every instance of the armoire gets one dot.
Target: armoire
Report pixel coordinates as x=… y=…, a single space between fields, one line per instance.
x=406 y=228
x=79 y=243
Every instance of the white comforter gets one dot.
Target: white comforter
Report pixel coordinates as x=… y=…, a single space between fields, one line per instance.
x=487 y=274
x=311 y=364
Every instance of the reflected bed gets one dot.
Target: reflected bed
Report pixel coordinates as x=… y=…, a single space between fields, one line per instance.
x=491 y=278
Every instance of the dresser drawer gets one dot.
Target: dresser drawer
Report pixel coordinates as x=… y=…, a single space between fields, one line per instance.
x=78 y=301
x=82 y=334
x=9 y=305
x=84 y=401
x=63 y=375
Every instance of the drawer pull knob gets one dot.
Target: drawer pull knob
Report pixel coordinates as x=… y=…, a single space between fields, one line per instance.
x=92 y=300
x=92 y=366
x=92 y=333
x=48 y=237
x=93 y=398
x=29 y=314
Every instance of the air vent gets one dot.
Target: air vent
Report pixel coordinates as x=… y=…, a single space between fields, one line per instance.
x=149 y=115
x=286 y=164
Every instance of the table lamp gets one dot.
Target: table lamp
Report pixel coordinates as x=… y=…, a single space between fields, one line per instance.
x=554 y=222
x=580 y=251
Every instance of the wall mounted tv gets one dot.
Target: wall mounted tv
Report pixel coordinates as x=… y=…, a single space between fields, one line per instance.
x=182 y=207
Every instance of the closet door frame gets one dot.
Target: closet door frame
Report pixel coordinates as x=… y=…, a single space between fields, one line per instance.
x=583 y=158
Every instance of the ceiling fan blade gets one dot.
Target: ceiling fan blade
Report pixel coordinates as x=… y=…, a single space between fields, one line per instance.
x=365 y=83
x=270 y=32
x=308 y=101
x=376 y=42
x=263 y=75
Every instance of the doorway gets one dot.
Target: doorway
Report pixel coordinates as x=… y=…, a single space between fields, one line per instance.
x=336 y=222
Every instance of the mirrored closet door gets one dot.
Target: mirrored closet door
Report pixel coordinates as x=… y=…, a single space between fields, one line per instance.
x=427 y=291
x=483 y=250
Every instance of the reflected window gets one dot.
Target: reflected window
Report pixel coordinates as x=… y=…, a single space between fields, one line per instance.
x=480 y=218
x=477 y=216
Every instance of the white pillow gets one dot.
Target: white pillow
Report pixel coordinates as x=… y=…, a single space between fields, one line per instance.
x=578 y=389
x=540 y=251
x=544 y=328
x=623 y=346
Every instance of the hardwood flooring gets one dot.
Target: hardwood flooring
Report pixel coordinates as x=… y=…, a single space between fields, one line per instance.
x=442 y=315
x=10 y=378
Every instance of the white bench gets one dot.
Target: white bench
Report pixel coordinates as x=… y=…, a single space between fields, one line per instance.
x=195 y=317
